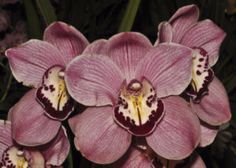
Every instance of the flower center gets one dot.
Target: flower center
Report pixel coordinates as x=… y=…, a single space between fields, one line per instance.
x=202 y=75
x=138 y=110
x=14 y=158
x=53 y=96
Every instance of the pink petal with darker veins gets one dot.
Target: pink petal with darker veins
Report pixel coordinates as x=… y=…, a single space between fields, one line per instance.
x=30 y=60
x=182 y=20
x=165 y=33
x=134 y=158
x=97 y=47
x=98 y=137
x=207 y=35
x=56 y=151
x=127 y=49
x=69 y=41
x=5 y=136
x=178 y=134
x=168 y=67
x=208 y=134
x=214 y=108
x=30 y=126
x=93 y=80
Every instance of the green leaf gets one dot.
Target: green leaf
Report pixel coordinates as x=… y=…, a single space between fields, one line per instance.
x=47 y=11
x=129 y=16
x=33 y=20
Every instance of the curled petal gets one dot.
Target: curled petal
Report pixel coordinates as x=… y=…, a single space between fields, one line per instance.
x=127 y=49
x=178 y=133
x=98 y=137
x=214 y=108
x=69 y=41
x=208 y=134
x=30 y=126
x=93 y=80
x=182 y=20
x=30 y=60
x=168 y=67
x=207 y=35
x=97 y=47
x=55 y=153
x=165 y=33
x=5 y=136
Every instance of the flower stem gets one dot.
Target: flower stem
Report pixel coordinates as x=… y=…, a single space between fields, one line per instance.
x=70 y=159
x=129 y=16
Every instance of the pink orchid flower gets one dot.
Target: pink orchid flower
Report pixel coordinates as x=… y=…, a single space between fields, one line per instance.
x=128 y=82
x=13 y=155
x=206 y=94
x=36 y=119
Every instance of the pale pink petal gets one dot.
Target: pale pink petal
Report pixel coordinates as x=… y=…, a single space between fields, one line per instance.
x=93 y=80
x=213 y=49
x=127 y=49
x=98 y=137
x=182 y=20
x=30 y=126
x=57 y=150
x=30 y=60
x=69 y=41
x=208 y=134
x=5 y=136
x=165 y=33
x=97 y=47
x=207 y=35
x=178 y=134
x=133 y=159
x=214 y=108
x=168 y=67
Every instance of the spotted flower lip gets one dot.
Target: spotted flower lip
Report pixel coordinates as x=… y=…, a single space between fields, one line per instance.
x=41 y=64
x=52 y=154
x=128 y=83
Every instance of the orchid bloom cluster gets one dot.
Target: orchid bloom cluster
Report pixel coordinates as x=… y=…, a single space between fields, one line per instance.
x=148 y=105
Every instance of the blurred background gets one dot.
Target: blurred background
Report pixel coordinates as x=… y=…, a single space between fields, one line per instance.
x=26 y=19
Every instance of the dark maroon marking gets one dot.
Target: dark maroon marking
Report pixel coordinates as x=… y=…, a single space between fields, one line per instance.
x=201 y=59
x=52 y=88
x=197 y=96
x=198 y=72
x=47 y=105
x=144 y=129
x=199 y=65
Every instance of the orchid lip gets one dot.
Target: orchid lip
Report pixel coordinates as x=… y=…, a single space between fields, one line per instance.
x=53 y=95
x=202 y=75
x=14 y=157
x=138 y=110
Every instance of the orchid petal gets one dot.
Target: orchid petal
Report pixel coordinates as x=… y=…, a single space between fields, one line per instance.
x=30 y=60
x=36 y=159
x=57 y=150
x=165 y=33
x=127 y=49
x=182 y=20
x=5 y=136
x=168 y=67
x=97 y=47
x=69 y=41
x=98 y=137
x=208 y=134
x=30 y=126
x=133 y=159
x=207 y=35
x=178 y=133
x=93 y=80
x=214 y=108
